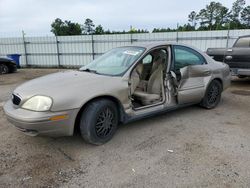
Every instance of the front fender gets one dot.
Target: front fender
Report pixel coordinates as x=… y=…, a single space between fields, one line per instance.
x=75 y=100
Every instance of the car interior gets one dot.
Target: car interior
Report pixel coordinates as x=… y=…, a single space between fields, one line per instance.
x=147 y=79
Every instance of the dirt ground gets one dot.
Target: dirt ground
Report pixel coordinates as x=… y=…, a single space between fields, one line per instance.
x=190 y=147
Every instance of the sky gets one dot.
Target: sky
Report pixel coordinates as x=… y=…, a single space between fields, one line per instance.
x=36 y=16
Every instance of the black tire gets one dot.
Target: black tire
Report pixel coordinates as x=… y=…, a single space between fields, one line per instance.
x=12 y=69
x=4 y=69
x=99 y=121
x=212 y=96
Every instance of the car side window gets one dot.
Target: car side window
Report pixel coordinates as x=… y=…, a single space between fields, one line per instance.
x=148 y=59
x=243 y=42
x=185 y=56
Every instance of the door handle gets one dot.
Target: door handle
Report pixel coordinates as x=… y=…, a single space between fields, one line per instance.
x=229 y=57
x=229 y=50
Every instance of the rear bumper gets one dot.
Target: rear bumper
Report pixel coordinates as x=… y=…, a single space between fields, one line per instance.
x=227 y=76
x=227 y=83
x=40 y=123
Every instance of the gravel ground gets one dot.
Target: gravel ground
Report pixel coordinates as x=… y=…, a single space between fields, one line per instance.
x=190 y=147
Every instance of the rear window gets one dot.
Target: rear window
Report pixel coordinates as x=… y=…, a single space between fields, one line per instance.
x=243 y=42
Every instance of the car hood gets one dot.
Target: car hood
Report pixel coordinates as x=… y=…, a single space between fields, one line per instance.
x=69 y=89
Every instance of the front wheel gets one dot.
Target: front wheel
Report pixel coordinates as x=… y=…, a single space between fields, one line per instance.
x=4 y=69
x=99 y=121
x=212 y=96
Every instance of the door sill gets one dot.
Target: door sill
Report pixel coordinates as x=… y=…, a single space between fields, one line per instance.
x=148 y=106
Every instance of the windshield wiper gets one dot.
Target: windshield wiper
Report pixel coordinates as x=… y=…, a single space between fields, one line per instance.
x=89 y=70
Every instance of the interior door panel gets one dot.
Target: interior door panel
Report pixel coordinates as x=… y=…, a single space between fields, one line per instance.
x=190 y=69
x=191 y=86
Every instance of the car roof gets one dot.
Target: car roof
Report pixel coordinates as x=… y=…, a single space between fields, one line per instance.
x=150 y=45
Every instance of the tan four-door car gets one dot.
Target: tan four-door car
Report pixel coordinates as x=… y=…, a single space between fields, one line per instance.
x=124 y=84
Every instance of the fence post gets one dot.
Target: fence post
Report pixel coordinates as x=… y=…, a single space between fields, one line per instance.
x=131 y=34
x=25 y=49
x=228 y=35
x=58 y=53
x=177 y=33
x=93 y=46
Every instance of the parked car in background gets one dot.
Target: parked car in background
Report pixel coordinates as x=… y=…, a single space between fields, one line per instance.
x=123 y=85
x=237 y=57
x=7 y=65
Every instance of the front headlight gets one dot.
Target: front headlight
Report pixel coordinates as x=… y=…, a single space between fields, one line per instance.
x=38 y=103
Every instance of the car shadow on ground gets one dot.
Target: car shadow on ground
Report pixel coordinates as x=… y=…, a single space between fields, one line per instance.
x=240 y=82
x=240 y=86
x=137 y=125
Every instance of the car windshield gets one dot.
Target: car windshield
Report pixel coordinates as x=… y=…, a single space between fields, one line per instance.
x=115 y=62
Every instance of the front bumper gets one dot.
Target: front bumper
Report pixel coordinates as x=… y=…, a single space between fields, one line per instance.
x=41 y=123
x=240 y=72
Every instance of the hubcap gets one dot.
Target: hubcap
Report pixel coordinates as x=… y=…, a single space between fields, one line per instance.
x=105 y=123
x=213 y=94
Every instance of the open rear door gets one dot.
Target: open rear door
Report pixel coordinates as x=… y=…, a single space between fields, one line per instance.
x=191 y=87
x=190 y=69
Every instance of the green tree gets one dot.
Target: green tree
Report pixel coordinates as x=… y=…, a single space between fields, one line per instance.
x=192 y=17
x=216 y=16
x=73 y=28
x=237 y=7
x=57 y=27
x=186 y=27
x=107 y=32
x=144 y=31
x=245 y=16
x=211 y=15
x=222 y=17
x=134 y=30
x=99 y=30
x=159 y=30
x=89 y=26
x=60 y=28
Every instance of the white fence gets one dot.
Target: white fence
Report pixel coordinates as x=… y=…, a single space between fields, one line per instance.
x=76 y=51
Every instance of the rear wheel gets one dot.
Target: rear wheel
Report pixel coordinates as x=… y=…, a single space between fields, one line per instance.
x=99 y=121
x=4 y=69
x=212 y=96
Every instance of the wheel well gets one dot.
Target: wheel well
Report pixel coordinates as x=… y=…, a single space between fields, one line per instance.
x=220 y=80
x=115 y=100
x=3 y=63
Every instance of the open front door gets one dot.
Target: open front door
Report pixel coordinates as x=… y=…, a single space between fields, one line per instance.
x=191 y=70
